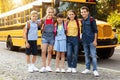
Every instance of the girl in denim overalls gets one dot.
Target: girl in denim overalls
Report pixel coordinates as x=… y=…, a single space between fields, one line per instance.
x=47 y=39
x=60 y=42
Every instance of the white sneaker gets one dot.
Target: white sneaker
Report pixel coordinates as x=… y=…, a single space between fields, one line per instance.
x=86 y=71
x=63 y=70
x=30 y=69
x=74 y=70
x=35 y=69
x=69 y=70
x=96 y=74
x=57 y=70
x=48 y=69
x=42 y=70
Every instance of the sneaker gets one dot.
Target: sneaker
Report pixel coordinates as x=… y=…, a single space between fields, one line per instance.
x=74 y=70
x=69 y=70
x=96 y=74
x=48 y=69
x=35 y=69
x=86 y=71
x=57 y=70
x=30 y=69
x=42 y=70
x=63 y=70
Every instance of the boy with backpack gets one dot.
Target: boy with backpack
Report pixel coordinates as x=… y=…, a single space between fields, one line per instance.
x=31 y=36
x=89 y=39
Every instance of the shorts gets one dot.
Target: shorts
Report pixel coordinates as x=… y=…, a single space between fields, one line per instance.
x=49 y=41
x=33 y=48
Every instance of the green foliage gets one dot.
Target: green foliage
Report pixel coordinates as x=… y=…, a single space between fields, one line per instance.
x=114 y=19
x=118 y=35
x=104 y=7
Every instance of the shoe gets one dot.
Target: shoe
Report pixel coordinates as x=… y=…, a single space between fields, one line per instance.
x=69 y=70
x=63 y=70
x=74 y=70
x=42 y=70
x=96 y=74
x=57 y=70
x=30 y=69
x=35 y=69
x=48 y=69
x=86 y=71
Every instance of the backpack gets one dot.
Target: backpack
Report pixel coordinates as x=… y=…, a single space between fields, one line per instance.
x=28 y=27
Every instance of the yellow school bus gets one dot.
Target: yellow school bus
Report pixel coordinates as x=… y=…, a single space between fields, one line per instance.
x=12 y=23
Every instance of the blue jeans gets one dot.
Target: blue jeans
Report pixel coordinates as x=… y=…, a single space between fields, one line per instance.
x=90 y=53
x=72 y=51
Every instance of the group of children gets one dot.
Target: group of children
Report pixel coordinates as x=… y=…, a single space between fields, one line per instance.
x=63 y=37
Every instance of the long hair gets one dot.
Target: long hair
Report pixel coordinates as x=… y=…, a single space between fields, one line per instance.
x=74 y=13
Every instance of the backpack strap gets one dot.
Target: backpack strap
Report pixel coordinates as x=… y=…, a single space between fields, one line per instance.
x=66 y=24
x=28 y=28
x=91 y=23
x=78 y=28
x=44 y=23
x=56 y=27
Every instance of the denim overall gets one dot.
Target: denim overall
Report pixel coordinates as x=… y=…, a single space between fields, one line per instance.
x=48 y=35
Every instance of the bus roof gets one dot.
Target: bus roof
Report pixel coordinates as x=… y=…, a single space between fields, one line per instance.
x=101 y=22
x=20 y=9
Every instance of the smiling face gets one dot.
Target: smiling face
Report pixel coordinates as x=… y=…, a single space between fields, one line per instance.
x=34 y=17
x=59 y=20
x=84 y=13
x=71 y=15
x=50 y=12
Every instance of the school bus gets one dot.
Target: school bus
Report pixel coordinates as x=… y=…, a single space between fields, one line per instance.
x=12 y=23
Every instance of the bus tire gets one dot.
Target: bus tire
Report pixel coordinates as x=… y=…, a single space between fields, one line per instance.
x=105 y=53
x=9 y=45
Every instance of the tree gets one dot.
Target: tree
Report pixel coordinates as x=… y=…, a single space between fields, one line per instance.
x=105 y=7
x=114 y=19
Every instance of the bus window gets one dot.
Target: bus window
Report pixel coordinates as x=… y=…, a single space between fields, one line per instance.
x=18 y=17
x=11 y=17
x=65 y=6
x=22 y=17
x=0 y=21
x=27 y=14
x=37 y=8
x=5 y=20
x=44 y=7
x=14 y=19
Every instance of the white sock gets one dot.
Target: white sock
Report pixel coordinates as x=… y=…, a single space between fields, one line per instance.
x=32 y=64
x=29 y=65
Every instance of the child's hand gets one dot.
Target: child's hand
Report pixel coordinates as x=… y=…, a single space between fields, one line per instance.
x=27 y=45
x=95 y=43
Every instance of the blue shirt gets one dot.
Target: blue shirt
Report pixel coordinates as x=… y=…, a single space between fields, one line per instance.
x=60 y=33
x=89 y=29
x=33 y=31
